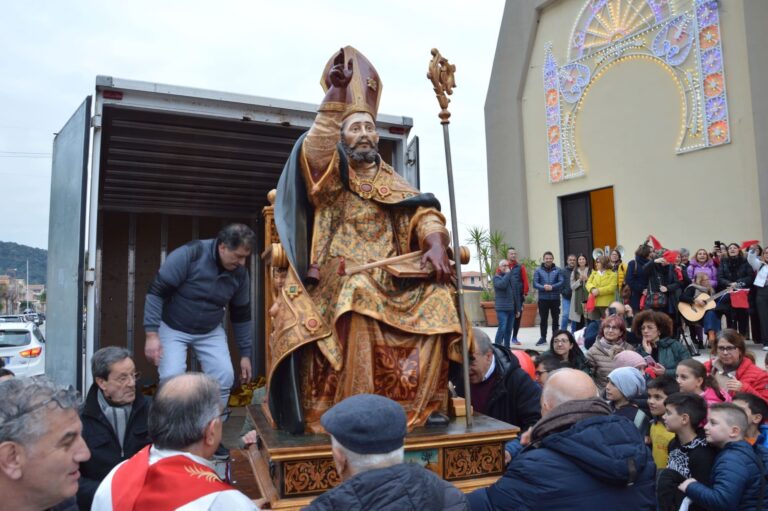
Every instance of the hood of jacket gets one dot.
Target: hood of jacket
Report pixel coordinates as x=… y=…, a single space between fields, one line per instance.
x=709 y=264
x=404 y=486
x=666 y=342
x=608 y=448
x=505 y=360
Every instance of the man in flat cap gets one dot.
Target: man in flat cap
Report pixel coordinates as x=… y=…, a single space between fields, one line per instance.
x=367 y=434
x=339 y=205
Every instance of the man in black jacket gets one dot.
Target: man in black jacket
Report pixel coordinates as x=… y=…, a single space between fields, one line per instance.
x=500 y=388
x=367 y=437
x=114 y=419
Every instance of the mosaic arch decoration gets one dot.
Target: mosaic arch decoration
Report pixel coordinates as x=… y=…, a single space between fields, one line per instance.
x=682 y=36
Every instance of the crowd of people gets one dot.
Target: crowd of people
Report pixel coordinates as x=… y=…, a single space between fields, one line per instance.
x=654 y=279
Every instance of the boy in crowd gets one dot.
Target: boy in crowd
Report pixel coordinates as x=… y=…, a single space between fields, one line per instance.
x=624 y=385
x=737 y=477
x=689 y=453
x=757 y=412
x=659 y=389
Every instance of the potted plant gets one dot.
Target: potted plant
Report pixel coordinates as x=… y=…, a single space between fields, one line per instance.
x=489 y=248
x=530 y=306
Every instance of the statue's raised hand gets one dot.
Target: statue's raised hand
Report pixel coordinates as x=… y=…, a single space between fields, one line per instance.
x=341 y=73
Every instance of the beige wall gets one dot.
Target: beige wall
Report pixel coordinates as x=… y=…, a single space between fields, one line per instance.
x=627 y=132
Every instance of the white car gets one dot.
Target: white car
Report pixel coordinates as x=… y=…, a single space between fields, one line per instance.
x=22 y=348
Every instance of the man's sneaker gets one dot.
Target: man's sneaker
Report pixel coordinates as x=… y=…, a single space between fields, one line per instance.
x=515 y=342
x=222 y=453
x=542 y=342
x=765 y=348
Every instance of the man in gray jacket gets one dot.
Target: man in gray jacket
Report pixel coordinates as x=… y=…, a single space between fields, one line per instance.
x=185 y=307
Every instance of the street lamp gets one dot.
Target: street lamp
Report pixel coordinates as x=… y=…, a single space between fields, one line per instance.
x=12 y=291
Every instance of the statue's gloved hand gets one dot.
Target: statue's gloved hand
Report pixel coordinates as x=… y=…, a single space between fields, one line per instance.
x=340 y=74
x=435 y=253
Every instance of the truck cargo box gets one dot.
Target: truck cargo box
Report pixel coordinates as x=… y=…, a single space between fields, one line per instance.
x=145 y=168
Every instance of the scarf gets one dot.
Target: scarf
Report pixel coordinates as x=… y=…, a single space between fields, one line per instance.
x=117 y=416
x=566 y=415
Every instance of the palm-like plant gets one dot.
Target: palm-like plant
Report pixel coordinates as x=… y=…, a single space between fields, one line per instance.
x=478 y=237
x=490 y=249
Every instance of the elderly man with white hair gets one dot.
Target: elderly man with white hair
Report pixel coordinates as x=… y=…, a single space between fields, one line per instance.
x=578 y=456
x=367 y=437
x=174 y=472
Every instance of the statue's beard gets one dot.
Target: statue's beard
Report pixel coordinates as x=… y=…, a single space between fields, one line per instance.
x=357 y=155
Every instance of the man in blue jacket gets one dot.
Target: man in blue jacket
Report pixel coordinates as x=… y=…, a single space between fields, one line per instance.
x=578 y=456
x=186 y=302
x=548 y=280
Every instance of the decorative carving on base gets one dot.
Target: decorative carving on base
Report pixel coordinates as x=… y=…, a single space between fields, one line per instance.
x=473 y=461
x=309 y=477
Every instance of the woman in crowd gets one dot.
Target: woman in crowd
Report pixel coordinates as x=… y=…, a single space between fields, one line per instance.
x=734 y=371
x=610 y=342
x=635 y=278
x=760 y=282
x=734 y=270
x=685 y=258
x=563 y=345
x=655 y=330
x=579 y=278
x=678 y=282
x=619 y=268
x=702 y=263
x=602 y=285
x=754 y=317
x=659 y=279
x=692 y=295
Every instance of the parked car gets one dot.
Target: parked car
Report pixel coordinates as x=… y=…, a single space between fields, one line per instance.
x=22 y=348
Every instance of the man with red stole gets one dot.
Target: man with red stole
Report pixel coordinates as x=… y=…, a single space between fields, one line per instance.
x=185 y=424
x=339 y=205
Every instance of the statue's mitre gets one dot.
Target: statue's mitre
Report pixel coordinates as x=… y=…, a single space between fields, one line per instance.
x=364 y=90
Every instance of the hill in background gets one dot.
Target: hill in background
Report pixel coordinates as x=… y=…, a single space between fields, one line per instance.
x=13 y=255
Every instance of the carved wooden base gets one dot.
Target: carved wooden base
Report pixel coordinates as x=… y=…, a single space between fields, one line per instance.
x=291 y=470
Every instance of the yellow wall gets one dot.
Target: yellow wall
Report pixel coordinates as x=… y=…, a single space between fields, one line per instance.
x=627 y=133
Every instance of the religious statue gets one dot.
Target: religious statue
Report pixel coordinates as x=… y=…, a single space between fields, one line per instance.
x=339 y=205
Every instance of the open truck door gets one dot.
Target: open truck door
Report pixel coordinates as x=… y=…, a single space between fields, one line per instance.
x=66 y=233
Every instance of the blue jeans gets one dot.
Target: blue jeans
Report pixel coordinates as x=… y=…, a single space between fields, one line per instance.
x=211 y=350
x=564 y=315
x=506 y=322
x=711 y=322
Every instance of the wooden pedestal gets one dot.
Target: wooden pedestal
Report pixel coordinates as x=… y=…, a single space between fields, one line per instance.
x=291 y=470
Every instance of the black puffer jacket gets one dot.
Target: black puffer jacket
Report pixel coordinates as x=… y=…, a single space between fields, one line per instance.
x=734 y=269
x=401 y=487
x=515 y=399
x=102 y=441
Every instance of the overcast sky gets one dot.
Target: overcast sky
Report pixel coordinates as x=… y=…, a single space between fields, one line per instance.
x=52 y=51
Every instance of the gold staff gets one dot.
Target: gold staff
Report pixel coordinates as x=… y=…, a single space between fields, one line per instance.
x=441 y=74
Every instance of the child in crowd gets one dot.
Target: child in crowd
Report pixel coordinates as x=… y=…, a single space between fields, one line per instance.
x=659 y=389
x=631 y=358
x=692 y=377
x=689 y=453
x=757 y=412
x=624 y=385
x=737 y=477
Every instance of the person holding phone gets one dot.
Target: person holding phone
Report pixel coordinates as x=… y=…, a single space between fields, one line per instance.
x=655 y=331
